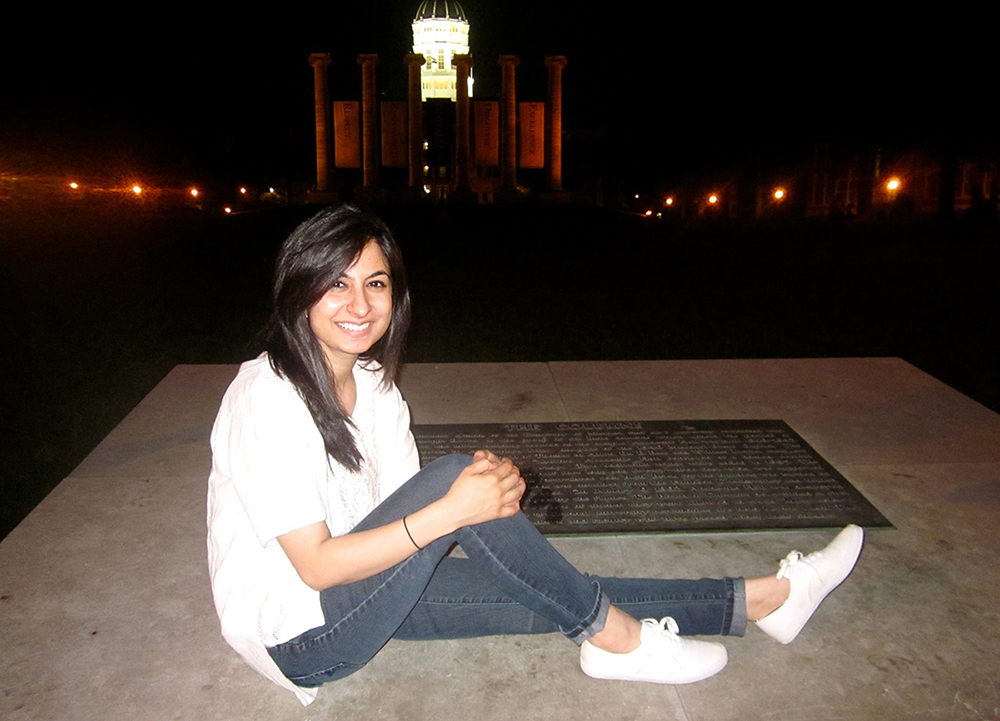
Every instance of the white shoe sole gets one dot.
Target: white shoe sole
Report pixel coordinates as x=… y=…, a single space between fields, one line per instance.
x=594 y=671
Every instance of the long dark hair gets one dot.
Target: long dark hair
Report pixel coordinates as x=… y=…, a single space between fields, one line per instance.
x=313 y=257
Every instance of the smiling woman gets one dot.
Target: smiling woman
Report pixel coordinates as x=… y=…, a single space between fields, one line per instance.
x=326 y=539
x=337 y=272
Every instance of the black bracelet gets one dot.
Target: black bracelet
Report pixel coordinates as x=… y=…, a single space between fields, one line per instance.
x=407 y=529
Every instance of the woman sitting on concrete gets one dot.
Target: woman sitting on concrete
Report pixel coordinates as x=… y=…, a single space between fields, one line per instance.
x=326 y=539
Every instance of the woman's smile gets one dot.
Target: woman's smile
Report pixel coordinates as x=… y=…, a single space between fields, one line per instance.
x=354 y=326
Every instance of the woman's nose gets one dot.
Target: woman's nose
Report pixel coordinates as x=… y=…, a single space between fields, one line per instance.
x=359 y=302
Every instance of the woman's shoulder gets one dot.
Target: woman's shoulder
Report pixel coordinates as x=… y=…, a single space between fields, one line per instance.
x=260 y=407
x=258 y=387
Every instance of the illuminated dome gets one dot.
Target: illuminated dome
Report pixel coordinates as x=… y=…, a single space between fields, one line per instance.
x=440 y=32
x=440 y=10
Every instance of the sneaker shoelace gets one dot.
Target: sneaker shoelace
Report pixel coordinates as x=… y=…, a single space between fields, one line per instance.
x=793 y=559
x=661 y=632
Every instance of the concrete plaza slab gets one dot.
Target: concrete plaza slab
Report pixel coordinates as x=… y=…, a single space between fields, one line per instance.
x=106 y=613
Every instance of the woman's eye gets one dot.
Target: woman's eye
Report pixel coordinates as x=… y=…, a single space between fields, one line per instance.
x=377 y=284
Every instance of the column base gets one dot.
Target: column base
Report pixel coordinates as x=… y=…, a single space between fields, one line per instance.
x=369 y=196
x=511 y=195
x=409 y=195
x=322 y=197
x=462 y=196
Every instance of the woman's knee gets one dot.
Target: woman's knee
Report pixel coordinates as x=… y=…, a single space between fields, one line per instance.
x=456 y=462
x=435 y=479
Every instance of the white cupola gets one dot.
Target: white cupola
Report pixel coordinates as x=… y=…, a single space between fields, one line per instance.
x=440 y=32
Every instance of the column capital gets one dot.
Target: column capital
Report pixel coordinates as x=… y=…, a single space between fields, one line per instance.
x=368 y=58
x=319 y=60
x=557 y=61
x=508 y=60
x=465 y=59
x=414 y=59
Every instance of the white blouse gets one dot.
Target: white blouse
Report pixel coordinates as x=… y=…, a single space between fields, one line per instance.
x=271 y=475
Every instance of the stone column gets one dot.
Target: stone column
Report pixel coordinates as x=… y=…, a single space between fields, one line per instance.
x=320 y=62
x=415 y=119
x=946 y=182
x=508 y=124
x=369 y=107
x=553 y=148
x=462 y=65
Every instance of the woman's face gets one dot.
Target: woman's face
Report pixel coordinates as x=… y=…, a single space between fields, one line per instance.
x=355 y=313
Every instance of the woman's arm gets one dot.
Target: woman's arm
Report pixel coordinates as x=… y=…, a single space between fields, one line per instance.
x=487 y=489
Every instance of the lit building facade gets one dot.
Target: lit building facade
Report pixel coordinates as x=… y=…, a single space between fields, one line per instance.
x=440 y=32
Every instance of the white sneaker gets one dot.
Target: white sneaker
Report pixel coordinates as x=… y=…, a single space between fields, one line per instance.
x=662 y=657
x=812 y=578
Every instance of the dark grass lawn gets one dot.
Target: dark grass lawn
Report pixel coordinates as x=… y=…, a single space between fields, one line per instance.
x=100 y=303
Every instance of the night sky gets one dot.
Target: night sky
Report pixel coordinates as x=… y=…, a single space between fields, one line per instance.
x=197 y=92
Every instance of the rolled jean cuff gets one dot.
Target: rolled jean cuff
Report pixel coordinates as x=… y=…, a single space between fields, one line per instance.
x=738 y=623
x=603 y=604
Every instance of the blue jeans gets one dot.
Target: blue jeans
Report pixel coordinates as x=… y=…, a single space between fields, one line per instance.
x=512 y=582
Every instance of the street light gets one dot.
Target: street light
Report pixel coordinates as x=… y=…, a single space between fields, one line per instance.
x=74 y=185
x=193 y=192
x=713 y=199
x=779 y=193
x=668 y=201
x=137 y=189
x=893 y=184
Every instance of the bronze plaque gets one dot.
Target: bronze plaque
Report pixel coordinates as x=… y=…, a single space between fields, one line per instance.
x=656 y=476
x=486 y=114
x=531 y=126
x=394 y=133
x=347 y=133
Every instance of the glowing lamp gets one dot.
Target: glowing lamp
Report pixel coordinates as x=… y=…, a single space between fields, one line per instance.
x=137 y=189
x=893 y=184
x=669 y=201
x=227 y=210
x=74 y=186
x=648 y=213
x=779 y=193
x=194 y=192
x=636 y=196
x=713 y=199
x=270 y=190
x=243 y=191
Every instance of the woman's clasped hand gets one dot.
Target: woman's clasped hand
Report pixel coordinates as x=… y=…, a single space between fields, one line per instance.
x=488 y=489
